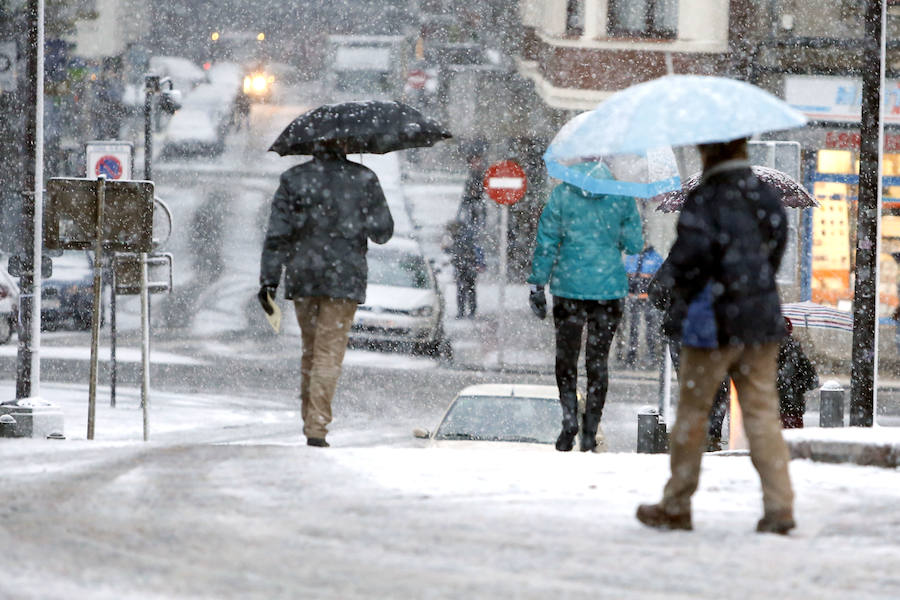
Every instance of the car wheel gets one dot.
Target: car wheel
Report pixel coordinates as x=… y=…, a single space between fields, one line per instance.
x=6 y=329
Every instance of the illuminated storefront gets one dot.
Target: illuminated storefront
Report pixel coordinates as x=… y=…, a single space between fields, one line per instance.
x=833 y=106
x=835 y=183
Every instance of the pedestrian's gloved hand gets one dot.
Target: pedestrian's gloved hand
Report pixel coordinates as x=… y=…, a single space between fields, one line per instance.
x=538 y=301
x=263 y=296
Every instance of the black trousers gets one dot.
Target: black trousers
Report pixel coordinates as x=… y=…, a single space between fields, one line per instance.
x=465 y=291
x=570 y=317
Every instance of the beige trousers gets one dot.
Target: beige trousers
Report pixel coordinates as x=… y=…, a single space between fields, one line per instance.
x=752 y=369
x=324 y=329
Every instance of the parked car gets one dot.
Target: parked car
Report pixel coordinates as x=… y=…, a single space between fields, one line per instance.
x=503 y=412
x=193 y=131
x=67 y=297
x=403 y=301
x=500 y=412
x=9 y=302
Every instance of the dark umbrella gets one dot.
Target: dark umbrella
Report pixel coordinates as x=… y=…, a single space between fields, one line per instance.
x=793 y=194
x=371 y=127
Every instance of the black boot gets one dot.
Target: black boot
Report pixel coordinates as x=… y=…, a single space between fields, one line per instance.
x=566 y=440
x=589 y=424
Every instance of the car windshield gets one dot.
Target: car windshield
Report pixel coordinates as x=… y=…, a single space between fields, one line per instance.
x=502 y=419
x=398 y=269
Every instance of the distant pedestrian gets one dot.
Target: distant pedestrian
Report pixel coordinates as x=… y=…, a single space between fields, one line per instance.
x=640 y=268
x=241 y=110
x=730 y=240
x=466 y=231
x=580 y=240
x=323 y=213
x=796 y=376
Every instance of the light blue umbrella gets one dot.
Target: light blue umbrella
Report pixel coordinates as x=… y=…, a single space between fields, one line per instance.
x=643 y=175
x=675 y=110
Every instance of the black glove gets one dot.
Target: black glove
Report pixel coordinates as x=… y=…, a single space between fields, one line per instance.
x=263 y=296
x=538 y=301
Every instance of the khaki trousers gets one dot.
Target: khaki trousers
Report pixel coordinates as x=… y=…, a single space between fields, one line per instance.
x=324 y=329
x=752 y=369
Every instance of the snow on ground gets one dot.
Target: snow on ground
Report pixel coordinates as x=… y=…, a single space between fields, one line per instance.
x=123 y=354
x=261 y=516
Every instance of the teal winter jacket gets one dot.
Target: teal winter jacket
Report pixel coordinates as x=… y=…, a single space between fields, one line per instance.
x=580 y=240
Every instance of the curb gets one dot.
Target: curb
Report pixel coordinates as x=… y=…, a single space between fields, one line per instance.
x=858 y=453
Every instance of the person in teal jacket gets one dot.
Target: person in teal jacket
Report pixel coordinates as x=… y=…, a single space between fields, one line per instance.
x=580 y=241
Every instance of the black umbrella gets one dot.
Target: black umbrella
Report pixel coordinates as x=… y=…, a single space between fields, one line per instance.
x=793 y=194
x=371 y=127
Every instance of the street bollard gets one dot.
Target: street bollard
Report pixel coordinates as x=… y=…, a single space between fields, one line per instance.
x=648 y=427
x=831 y=404
x=662 y=437
x=7 y=426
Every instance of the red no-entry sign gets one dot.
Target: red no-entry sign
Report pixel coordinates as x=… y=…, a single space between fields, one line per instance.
x=505 y=182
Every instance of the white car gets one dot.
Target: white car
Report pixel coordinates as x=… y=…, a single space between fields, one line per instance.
x=503 y=412
x=192 y=131
x=403 y=302
x=9 y=303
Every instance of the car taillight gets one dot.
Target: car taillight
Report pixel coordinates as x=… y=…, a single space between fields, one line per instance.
x=4 y=292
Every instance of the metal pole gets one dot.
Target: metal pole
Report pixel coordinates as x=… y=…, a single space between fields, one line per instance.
x=28 y=355
x=37 y=240
x=865 y=294
x=95 y=318
x=145 y=347
x=501 y=330
x=150 y=83
x=113 y=369
x=665 y=400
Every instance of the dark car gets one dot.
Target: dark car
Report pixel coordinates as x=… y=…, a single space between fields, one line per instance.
x=67 y=297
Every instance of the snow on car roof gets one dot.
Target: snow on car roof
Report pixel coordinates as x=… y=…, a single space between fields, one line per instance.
x=511 y=389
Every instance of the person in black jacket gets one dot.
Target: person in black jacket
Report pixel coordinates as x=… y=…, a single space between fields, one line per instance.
x=323 y=214
x=796 y=376
x=730 y=240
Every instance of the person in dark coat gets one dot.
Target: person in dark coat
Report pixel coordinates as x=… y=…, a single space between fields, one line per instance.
x=323 y=214
x=659 y=294
x=730 y=240
x=467 y=256
x=796 y=376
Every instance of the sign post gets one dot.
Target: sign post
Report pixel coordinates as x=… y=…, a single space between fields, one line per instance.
x=505 y=183
x=106 y=216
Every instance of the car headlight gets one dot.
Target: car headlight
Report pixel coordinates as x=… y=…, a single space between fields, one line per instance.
x=257 y=83
x=422 y=311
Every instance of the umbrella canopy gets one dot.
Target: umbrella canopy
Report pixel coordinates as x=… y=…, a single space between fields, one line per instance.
x=370 y=127
x=818 y=316
x=643 y=174
x=793 y=194
x=677 y=110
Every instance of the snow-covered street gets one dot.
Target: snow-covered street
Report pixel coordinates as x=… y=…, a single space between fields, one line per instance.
x=238 y=516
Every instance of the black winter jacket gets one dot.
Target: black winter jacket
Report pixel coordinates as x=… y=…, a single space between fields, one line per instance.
x=732 y=231
x=323 y=213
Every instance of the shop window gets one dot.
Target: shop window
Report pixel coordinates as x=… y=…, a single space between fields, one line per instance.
x=644 y=18
x=574 y=18
x=835 y=161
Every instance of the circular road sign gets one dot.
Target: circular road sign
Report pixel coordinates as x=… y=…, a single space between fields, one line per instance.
x=505 y=182
x=108 y=165
x=417 y=79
